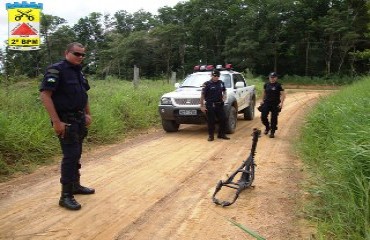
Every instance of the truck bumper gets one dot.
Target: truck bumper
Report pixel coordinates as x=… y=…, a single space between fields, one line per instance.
x=173 y=113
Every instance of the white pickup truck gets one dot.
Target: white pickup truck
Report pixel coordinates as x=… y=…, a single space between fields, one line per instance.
x=182 y=106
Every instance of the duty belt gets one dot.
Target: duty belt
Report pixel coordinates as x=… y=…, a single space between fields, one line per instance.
x=76 y=116
x=214 y=104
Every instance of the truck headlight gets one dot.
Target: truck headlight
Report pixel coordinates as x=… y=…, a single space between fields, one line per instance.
x=166 y=101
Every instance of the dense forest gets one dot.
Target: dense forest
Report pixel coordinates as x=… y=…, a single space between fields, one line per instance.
x=294 y=37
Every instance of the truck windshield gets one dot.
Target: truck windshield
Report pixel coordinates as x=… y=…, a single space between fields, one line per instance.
x=195 y=80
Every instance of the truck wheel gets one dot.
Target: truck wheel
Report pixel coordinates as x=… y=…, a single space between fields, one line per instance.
x=231 y=121
x=249 y=111
x=170 y=125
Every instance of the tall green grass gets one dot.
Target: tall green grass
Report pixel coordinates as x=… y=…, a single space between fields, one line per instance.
x=24 y=130
x=258 y=84
x=335 y=145
x=27 y=139
x=117 y=107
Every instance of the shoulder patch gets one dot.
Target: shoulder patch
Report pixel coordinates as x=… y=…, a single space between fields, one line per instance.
x=53 y=75
x=52 y=70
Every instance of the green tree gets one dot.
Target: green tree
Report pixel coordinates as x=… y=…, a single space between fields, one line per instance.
x=89 y=31
x=168 y=47
x=19 y=65
x=302 y=37
x=48 y=25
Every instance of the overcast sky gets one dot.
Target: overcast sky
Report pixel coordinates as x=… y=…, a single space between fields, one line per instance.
x=72 y=10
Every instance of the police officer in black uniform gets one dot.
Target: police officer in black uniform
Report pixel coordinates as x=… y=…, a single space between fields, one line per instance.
x=273 y=98
x=63 y=92
x=214 y=94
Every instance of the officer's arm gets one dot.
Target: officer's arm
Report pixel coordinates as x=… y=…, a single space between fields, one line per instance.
x=59 y=126
x=87 y=109
x=224 y=95
x=87 y=115
x=202 y=97
x=263 y=96
x=202 y=108
x=282 y=98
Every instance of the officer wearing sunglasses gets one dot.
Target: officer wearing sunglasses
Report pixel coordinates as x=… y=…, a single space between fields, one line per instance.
x=214 y=94
x=63 y=92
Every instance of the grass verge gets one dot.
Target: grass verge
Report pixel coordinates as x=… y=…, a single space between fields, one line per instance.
x=335 y=145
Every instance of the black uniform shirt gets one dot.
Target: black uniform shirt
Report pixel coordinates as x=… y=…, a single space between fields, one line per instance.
x=69 y=86
x=213 y=91
x=272 y=91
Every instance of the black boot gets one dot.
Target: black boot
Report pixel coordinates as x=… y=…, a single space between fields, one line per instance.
x=272 y=134
x=78 y=189
x=67 y=200
x=223 y=136
x=267 y=129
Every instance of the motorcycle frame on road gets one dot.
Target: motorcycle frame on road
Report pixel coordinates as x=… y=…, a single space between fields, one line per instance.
x=247 y=170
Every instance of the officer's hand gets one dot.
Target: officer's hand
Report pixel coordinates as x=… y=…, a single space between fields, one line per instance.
x=88 y=119
x=203 y=109
x=59 y=128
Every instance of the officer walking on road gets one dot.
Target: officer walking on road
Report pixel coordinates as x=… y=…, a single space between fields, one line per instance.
x=214 y=94
x=273 y=98
x=63 y=92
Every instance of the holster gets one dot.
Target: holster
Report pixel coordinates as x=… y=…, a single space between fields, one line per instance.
x=76 y=129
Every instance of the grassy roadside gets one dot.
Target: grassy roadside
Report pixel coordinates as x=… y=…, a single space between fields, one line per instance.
x=335 y=146
x=27 y=139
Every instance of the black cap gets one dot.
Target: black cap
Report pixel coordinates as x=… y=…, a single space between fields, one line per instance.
x=273 y=74
x=215 y=73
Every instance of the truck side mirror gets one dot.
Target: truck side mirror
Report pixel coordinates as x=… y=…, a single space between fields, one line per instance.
x=239 y=85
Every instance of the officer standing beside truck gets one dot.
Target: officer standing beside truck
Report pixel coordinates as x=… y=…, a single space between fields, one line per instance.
x=63 y=92
x=214 y=95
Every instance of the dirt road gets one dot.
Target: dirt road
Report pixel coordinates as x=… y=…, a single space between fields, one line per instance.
x=159 y=186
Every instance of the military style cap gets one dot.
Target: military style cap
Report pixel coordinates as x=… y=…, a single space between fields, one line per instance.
x=215 y=73
x=273 y=74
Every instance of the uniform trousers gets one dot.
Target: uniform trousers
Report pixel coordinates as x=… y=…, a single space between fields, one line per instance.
x=71 y=146
x=274 y=110
x=216 y=110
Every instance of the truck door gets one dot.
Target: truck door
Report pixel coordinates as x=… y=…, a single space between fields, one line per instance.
x=242 y=93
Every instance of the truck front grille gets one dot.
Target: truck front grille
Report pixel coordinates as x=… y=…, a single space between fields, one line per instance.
x=187 y=101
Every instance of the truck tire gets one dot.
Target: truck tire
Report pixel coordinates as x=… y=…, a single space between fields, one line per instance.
x=231 y=121
x=249 y=111
x=170 y=125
